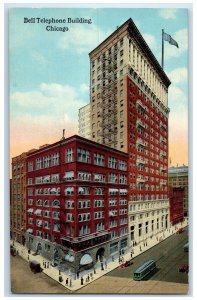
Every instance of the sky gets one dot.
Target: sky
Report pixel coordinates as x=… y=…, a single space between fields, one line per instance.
x=49 y=71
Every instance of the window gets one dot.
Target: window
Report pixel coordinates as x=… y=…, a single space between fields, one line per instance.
x=84 y=176
x=46 y=203
x=55 y=214
x=38 y=163
x=83 y=155
x=30 y=181
x=46 y=161
x=98 y=159
x=122 y=165
x=55 y=159
x=83 y=190
x=55 y=178
x=30 y=166
x=112 y=162
x=69 y=155
x=56 y=203
x=113 y=178
x=99 y=177
x=99 y=191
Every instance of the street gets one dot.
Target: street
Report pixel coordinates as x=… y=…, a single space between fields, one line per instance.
x=167 y=279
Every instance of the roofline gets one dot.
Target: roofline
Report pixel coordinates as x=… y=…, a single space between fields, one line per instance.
x=79 y=138
x=135 y=33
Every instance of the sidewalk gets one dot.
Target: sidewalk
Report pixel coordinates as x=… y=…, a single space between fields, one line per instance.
x=75 y=284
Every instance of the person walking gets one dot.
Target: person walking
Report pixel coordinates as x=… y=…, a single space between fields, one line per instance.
x=66 y=281
x=28 y=257
x=48 y=264
x=81 y=280
x=131 y=255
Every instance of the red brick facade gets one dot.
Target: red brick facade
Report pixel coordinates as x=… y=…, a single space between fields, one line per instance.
x=77 y=194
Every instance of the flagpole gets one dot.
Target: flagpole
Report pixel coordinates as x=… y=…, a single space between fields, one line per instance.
x=162 y=53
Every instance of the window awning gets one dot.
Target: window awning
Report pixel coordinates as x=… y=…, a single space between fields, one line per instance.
x=69 y=189
x=46 y=178
x=30 y=210
x=38 y=212
x=80 y=189
x=123 y=191
x=39 y=222
x=69 y=174
x=69 y=258
x=97 y=176
x=113 y=190
x=111 y=214
x=85 y=260
x=29 y=230
x=54 y=190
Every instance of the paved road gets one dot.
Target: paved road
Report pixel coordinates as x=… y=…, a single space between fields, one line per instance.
x=167 y=280
x=169 y=256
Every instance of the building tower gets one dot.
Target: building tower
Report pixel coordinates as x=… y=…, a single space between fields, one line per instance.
x=129 y=112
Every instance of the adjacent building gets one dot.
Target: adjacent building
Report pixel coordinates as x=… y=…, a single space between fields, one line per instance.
x=18 y=198
x=176 y=195
x=84 y=121
x=178 y=177
x=129 y=112
x=77 y=202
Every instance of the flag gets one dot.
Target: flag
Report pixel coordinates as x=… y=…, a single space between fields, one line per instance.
x=169 y=39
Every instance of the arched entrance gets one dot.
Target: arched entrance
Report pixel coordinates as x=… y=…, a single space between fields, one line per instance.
x=38 y=248
x=100 y=254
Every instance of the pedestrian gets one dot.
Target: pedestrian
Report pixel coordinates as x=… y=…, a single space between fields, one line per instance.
x=77 y=274
x=140 y=248
x=70 y=282
x=88 y=277
x=105 y=265
x=94 y=271
x=66 y=281
x=131 y=255
x=28 y=257
x=112 y=258
x=59 y=272
x=48 y=264
x=81 y=280
x=45 y=265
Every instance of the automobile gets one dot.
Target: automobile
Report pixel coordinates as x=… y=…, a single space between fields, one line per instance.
x=35 y=266
x=184 y=268
x=126 y=264
x=12 y=251
x=180 y=230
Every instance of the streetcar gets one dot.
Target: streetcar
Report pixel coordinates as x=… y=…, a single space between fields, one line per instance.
x=147 y=267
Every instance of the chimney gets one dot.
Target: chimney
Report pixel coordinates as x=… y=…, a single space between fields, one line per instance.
x=63 y=136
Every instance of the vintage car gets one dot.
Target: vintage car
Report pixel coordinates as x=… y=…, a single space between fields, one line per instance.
x=35 y=266
x=126 y=264
x=184 y=269
x=180 y=230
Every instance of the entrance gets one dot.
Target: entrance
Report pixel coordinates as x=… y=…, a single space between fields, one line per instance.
x=38 y=248
x=100 y=254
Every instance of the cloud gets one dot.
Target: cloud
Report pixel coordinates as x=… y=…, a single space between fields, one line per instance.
x=178 y=75
x=84 y=87
x=177 y=96
x=168 y=13
x=181 y=37
x=150 y=39
x=83 y=38
x=38 y=117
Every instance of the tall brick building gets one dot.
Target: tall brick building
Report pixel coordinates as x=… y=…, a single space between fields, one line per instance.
x=18 y=198
x=77 y=202
x=129 y=111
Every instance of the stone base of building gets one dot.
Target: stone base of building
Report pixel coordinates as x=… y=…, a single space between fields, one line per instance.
x=67 y=259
